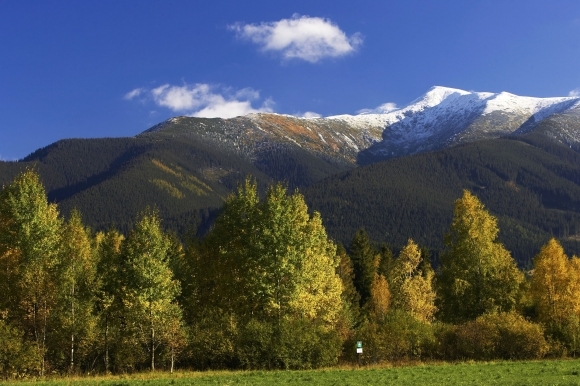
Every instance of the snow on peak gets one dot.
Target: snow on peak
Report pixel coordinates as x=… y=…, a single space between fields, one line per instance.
x=441 y=100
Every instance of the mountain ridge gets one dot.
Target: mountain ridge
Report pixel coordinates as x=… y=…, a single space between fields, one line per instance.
x=440 y=118
x=186 y=167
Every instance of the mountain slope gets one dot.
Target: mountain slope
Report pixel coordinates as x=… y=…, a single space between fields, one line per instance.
x=187 y=166
x=530 y=183
x=444 y=117
x=441 y=118
x=110 y=180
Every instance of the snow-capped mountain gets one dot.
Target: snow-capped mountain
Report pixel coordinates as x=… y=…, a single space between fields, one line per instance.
x=447 y=116
x=440 y=118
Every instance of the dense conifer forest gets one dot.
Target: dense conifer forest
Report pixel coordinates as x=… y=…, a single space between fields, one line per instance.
x=267 y=288
x=532 y=185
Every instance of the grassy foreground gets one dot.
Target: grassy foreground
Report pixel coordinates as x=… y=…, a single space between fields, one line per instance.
x=563 y=372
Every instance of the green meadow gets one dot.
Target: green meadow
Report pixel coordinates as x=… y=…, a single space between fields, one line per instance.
x=553 y=372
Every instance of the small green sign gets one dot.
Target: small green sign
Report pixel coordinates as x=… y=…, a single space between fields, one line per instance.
x=359 y=344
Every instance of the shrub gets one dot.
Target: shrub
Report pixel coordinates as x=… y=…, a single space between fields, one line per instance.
x=18 y=358
x=292 y=344
x=498 y=336
x=399 y=336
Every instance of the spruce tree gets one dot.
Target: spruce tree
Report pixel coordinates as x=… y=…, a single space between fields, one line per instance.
x=365 y=261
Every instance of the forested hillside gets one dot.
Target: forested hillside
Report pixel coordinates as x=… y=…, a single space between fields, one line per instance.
x=529 y=182
x=109 y=180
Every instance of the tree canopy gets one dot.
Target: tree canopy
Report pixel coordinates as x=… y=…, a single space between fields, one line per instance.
x=478 y=274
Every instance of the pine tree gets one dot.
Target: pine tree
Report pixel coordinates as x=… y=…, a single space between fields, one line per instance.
x=478 y=274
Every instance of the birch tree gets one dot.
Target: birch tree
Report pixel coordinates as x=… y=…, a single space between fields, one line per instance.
x=77 y=274
x=29 y=251
x=478 y=274
x=150 y=289
x=412 y=289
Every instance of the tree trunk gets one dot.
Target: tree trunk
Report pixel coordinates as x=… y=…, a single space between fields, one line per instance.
x=172 y=359
x=107 y=344
x=72 y=335
x=152 y=350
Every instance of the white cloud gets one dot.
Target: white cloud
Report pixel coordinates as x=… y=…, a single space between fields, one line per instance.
x=134 y=93
x=301 y=37
x=207 y=101
x=382 y=109
x=309 y=114
x=574 y=93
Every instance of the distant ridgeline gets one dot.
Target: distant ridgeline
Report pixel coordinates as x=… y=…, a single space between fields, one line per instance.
x=394 y=173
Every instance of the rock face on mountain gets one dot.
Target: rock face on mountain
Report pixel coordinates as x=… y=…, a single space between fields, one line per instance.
x=255 y=135
x=441 y=118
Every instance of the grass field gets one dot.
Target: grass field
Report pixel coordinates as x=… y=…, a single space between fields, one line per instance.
x=564 y=372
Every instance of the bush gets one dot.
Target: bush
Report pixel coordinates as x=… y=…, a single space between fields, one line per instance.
x=399 y=336
x=293 y=344
x=496 y=336
x=18 y=359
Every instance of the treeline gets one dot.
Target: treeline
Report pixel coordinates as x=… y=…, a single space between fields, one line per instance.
x=266 y=288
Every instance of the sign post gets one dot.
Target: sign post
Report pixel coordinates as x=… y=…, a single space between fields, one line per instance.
x=359 y=350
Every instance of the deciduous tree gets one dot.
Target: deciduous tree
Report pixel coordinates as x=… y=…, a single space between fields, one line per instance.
x=478 y=274
x=29 y=249
x=150 y=289
x=412 y=289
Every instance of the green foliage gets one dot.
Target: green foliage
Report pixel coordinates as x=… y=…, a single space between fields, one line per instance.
x=150 y=290
x=365 y=261
x=350 y=295
x=399 y=336
x=294 y=344
x=18 y=358
x=30 y=237
x=269 y=261
x=75 y=298
x=478 y=275
x=498 y=336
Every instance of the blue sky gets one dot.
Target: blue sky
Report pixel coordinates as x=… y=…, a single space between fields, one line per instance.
x=85 y=69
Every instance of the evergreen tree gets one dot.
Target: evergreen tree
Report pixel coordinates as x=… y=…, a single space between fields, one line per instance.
x=478 y=274
x=365 y=262
x=350 y=295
